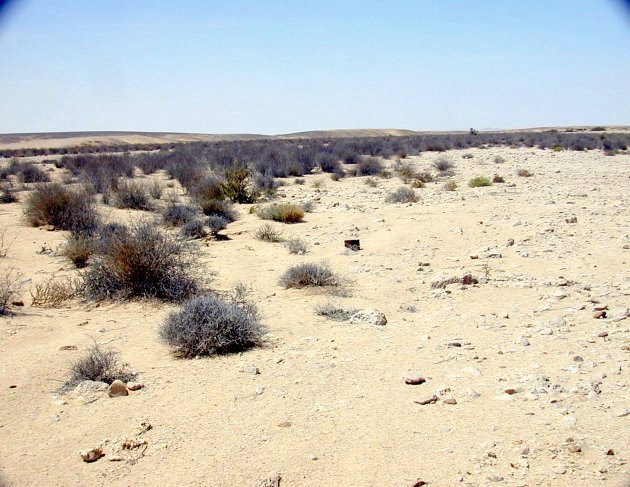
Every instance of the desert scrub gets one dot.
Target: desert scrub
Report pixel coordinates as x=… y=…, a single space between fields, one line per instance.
x=368 y=166
x=334 y=311
x=78 y=249
x=98 y=364
x=141 y=261
x=61 y=207
x=7 y=196
x=215 y=224
x=176 y=214
x=450 y=186
x=132 y=195
x=268 y=233
x=443 y=164
x=297 y=246
x=524 y=173
x=10 y=289
x=299 y=181
x=55 y=292
x=402 y=195
x=208 y=325
x=156 y=189
x=479 y=181
x=371 y=182
x=194 y=229
x=309 y=274
x=282 y=212
x=216 y=207
x=405 y=171
x=499 y=160
x=498 y=179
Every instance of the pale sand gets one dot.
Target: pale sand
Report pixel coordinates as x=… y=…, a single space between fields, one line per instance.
x=341 y=385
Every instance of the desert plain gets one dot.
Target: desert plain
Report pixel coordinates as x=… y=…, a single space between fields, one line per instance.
x=523 y=385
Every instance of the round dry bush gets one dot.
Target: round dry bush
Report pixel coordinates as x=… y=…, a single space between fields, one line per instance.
x=282 y=212
x=61 y=207
x=144 y=262
x=78 y=249
x=98 y=364
x=402 y=195
x=208 y=325
x=369 y=166
x=309 y=274
x=176 y=214
x=132 y=195
x=215 y=207
x=194 y=229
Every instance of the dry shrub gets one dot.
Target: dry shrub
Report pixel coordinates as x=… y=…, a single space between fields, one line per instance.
x=268 y=233
x=194 y=229
x=368 y=166
x=450 y=186
x=217 y=207
x=55 y=292
x=132 y=195
x=98 y=364
x=499 y=160
x=309 y=274
x=176 y=214
x=61 y=207
x=297 y=246
x=443 y=164
x=7 y=196
x=498 y=179
x=208 y=325
x=334 y=311
x=524 y=173
x=78 y=249
x=10 y=289
x=402 y=195
x=141 y=261
x=282 y=212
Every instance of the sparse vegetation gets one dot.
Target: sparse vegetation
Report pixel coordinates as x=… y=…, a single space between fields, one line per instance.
x=299 y=181
x=402 y=195
x=371 y=182
x=309 y=274
x=297 y=246
x=214 y=207
x=10 y=289
x=144 y=262
x=282 y=212
x=369 y=166
x=524 y=173
x=132 y=195
x=98 y=364
x=215 y=224
x=55 y=292
x=7 y=196
x=450 y=186
x=334 y=311
x=194 y=229
x=499 y=160
x=443 y=164
x=208 y=325
x=268 y=233
x=176 y=214
x=61 y=207
x=237 y=186
x=78 y=249
x=479 y=181
x=498 y=179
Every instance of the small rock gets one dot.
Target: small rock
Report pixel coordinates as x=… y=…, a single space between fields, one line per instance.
x=558 y=322
x=495 y=477
x=117 y=389
x=369 y=316
x=621 y=315
x=92 y=455
x=260 y=390
x=560 y=469
x=525 y=342
x=598 y=315
x=454 y=344
x=574 y=449
x=572 y=219
x=449 y=400
x=419 y=483
x=67 y=347
x=510 y=391
x=17 y=303
x=313 y=457
x=284 y=424
x=473 y=371
x=610 y=452
x=134 y=386
x=271 y=481
x=602 y=334
x=510 y=242
x=414 y=380
x=427 y=400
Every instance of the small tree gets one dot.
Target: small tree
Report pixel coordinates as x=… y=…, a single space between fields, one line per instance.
x=237 y=186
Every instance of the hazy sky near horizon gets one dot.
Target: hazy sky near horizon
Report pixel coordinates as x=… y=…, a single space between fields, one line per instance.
x=280 y=66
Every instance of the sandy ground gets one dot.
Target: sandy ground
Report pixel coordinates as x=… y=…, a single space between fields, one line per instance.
x=329 y=406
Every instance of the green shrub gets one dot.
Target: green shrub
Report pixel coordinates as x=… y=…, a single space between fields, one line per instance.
x=237 y=186
x=479 y=181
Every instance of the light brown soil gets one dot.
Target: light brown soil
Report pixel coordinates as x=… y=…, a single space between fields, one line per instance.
x=330 y=406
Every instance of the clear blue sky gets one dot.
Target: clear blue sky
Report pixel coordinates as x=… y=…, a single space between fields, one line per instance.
x=272 y=66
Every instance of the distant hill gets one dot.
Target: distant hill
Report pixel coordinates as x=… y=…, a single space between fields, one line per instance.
x=74 y=139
